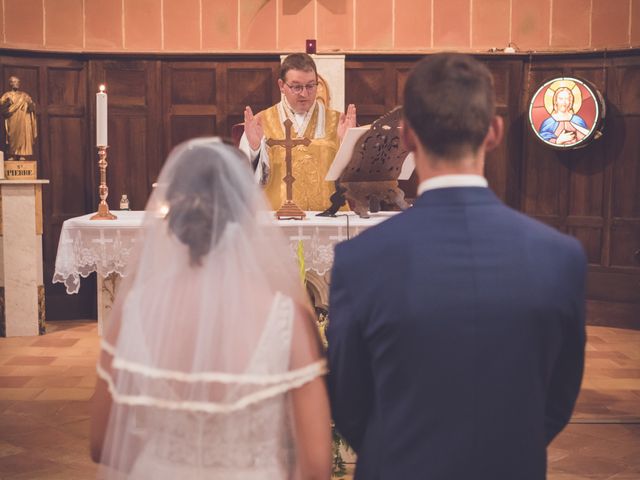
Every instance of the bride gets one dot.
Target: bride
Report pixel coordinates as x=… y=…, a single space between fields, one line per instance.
x=211 y=367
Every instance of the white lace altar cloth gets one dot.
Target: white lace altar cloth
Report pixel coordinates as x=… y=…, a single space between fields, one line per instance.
x=104 y=246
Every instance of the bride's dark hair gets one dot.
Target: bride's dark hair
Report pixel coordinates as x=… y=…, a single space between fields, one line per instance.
x=198 y=211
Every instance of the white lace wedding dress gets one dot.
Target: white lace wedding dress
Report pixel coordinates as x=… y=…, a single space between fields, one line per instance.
x=249 y=444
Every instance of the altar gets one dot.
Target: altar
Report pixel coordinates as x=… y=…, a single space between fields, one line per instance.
x=104 y=247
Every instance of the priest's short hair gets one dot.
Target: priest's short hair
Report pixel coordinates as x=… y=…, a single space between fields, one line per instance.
x=297 y=61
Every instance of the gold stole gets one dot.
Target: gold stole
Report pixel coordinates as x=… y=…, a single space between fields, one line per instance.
x=309 y=164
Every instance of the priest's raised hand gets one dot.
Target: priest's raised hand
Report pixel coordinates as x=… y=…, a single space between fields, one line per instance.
x=347 y=121
x=253 y=128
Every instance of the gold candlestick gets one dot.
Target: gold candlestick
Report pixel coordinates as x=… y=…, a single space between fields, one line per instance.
x=103 y=190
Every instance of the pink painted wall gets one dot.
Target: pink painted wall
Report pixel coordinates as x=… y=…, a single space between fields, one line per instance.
x=338 y=25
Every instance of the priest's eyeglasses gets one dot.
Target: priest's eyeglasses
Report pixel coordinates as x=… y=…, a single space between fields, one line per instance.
x=297 y=89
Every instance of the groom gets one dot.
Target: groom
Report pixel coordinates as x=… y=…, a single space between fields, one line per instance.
x=456 y=336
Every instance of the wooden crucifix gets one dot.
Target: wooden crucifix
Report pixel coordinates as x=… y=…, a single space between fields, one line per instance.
x=289 y=209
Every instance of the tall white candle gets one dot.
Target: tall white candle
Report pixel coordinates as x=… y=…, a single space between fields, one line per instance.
x=101 y=118
x=1 y=165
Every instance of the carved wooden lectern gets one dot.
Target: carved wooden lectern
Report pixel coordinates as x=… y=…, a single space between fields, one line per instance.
x=371 y=176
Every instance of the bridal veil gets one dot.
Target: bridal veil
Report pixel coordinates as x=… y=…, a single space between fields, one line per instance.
x=211 y=323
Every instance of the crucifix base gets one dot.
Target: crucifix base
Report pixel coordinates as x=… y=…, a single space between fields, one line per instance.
x=290 y=210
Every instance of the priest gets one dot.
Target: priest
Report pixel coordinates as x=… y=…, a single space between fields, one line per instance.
x=310 y=118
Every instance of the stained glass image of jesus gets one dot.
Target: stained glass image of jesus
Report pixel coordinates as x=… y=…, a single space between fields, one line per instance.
x=563 y=127
x=563 y=112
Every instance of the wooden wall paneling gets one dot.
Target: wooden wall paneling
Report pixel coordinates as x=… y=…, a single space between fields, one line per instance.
x=622 y=93
x=402 y=73
x=409 y=186
x=187 y=126
x=375 y=87
x=625 y=242
x=615 y=286
x=154 y=102
x=568 y=185
x=588 y=197
x=369 y=87
x=623 y=122
x=222 y=121
x=626 y=170
x=66 y=163
x=58 y=86
x=190 y=106
x=253 y=84
x=587 y=167
x=502 y=167
x=612 y=314
x=135 y=155
x=543 y=170
x=591 y=193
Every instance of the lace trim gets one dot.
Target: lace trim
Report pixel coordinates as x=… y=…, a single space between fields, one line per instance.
x=220 y=377
x=319 y=368
x=281 y=305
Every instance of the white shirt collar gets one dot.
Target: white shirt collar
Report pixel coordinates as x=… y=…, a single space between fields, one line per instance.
x=448 y=181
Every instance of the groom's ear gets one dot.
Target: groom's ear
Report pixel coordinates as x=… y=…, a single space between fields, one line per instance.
x=494 y=134
x=408 y=136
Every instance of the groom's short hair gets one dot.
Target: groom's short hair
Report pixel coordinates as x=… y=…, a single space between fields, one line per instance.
x=449 y=102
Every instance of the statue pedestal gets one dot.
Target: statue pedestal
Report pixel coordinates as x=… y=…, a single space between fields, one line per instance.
x=21 y=282
x=20 y=169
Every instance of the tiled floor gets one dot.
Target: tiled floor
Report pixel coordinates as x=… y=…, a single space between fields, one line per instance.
x=45 y=385
x=46 y=382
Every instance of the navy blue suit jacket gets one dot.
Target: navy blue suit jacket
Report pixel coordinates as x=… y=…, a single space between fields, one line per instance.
x=456 y=340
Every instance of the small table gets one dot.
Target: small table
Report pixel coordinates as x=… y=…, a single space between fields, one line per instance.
x=104 y=247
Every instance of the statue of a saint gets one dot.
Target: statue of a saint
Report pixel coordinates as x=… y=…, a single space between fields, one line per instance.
x=19 y=114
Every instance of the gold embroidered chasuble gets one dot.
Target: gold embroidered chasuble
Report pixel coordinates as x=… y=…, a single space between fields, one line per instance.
x=309 y=164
